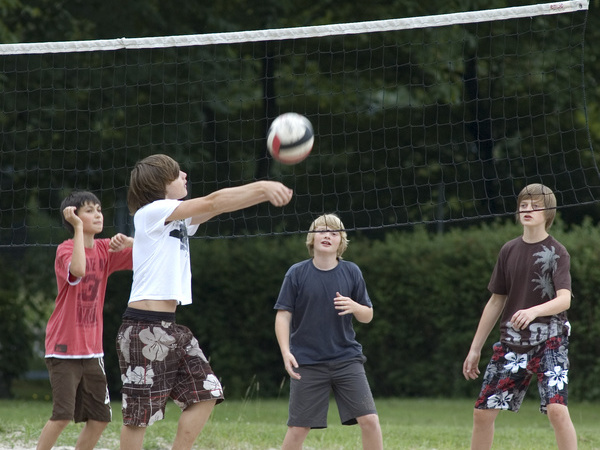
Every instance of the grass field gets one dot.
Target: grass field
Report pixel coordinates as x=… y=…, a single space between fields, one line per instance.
x=260 y=424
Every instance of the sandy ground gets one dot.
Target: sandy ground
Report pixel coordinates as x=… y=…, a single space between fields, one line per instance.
x=5 y=444
x=16 y=441
x=8 y=446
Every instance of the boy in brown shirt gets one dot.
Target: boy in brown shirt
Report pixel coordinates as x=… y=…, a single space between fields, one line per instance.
x=531 y=291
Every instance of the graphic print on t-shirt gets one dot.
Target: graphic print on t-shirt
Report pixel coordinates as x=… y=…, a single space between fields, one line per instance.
x=182 y=235
x=87 y=314
x=547 y=258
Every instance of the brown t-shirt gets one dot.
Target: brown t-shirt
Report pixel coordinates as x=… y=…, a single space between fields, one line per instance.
x=530 y=274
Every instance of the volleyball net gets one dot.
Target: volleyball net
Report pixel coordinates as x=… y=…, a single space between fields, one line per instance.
x=428 y=120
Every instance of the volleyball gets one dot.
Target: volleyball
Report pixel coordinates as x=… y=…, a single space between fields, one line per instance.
x=290 y=138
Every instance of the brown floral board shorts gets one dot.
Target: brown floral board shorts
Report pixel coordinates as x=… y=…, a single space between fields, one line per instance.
x=509 y=374
x=160 y=360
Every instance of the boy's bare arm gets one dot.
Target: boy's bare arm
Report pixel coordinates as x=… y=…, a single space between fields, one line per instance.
x=522 y=318
x=489 y=317
x=202 y=209
x=77 y=267
x=283 y=320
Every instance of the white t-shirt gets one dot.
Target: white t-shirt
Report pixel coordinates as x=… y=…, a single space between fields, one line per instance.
x=161 y=256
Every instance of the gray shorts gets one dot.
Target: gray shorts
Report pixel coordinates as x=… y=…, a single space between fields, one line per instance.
x=79 y=390
x=309 y=396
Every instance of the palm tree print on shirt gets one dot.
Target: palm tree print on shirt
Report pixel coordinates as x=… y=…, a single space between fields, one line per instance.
x=548 y=259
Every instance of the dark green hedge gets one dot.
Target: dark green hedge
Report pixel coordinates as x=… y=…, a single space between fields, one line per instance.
x=428 y=292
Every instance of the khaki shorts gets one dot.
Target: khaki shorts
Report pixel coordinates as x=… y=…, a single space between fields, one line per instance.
x=79 y=390
x=161 y=360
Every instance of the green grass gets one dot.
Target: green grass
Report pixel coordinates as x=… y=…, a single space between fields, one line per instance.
x=260 y=424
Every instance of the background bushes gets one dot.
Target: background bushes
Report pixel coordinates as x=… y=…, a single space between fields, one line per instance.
x=428 y=291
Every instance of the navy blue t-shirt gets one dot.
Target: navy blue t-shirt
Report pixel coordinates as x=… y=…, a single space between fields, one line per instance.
x=318 y=333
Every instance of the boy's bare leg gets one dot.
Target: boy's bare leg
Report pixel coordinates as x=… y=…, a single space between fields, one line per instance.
x=564 y=431
x=50 y=433
x=371 y=432
x=132 y=438
x=191 y=423
x=294 y=438
x=89 y=436
x=483 y=428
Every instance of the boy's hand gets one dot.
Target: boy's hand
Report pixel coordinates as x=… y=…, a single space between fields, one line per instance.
x=522 y=318
x=119 y=242
x=289 y=361
x=277 y=193
x=470 y=366
x=70 y=216
x=345 y=305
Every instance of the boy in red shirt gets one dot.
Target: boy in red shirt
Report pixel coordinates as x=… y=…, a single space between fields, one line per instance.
x=74 y=352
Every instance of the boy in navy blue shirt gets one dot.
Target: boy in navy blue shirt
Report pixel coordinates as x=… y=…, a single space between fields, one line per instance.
x=316 y=304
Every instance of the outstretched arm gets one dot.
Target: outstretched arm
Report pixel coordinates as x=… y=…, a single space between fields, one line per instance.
x=202 y=209
x=489 y=317
x=283 y=319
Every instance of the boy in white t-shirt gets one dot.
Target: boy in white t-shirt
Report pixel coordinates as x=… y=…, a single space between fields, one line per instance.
x=160 y=359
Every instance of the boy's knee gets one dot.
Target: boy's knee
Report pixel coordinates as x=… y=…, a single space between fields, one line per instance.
x=60 y=424
x=368 y=422
x=96 y=424
x=558 y=414
x=296 y=434
x=484 y=417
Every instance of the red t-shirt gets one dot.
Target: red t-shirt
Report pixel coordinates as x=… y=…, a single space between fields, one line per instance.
x=529 y=275
x=75 y=326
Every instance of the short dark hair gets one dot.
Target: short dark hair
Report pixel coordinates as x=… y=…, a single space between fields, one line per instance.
x=77 y=199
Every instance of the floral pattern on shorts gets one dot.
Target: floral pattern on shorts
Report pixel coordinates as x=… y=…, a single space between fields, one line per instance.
x=161 y=360
x=509 y=374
